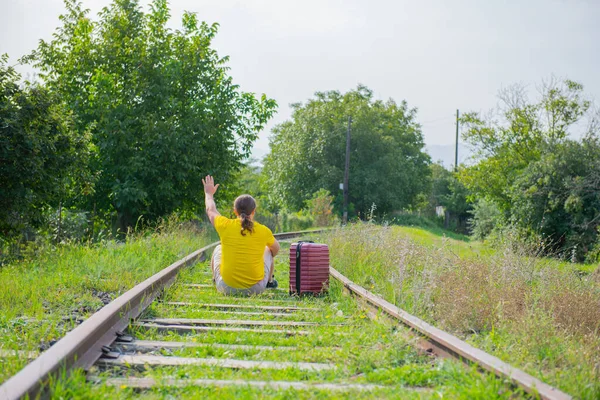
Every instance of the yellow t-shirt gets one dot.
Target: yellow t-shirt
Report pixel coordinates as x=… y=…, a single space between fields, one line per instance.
x=242 y=262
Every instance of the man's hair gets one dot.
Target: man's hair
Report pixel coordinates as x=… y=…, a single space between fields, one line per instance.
x=245 y=205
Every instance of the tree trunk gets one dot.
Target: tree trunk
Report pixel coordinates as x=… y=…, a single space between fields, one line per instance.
x=58 y=228
x=93 y=217
x=125 y=222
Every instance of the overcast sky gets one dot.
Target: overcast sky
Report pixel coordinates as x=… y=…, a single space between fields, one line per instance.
x=436 y=55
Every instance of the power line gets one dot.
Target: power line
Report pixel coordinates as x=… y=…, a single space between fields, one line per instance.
x=437 y=120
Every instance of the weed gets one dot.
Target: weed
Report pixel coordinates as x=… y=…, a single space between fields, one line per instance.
x=536 y=313
x=44 y=297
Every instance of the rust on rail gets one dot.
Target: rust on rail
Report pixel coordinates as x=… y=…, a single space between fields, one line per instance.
x=453 y=345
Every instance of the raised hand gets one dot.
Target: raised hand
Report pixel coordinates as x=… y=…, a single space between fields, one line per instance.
x=209 y=185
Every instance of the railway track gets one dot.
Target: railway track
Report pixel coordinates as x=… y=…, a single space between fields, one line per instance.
x=182 y=337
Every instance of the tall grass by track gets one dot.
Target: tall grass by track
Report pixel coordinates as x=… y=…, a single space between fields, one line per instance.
x=540 y=315
x=47 y=295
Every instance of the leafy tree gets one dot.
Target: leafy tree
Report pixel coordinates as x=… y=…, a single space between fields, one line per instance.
x=250 y=180
x=160 y=104
x=558 y=196
x=43 y=160
x=486 y=217
x=538 y=180
x=447 y=191
x=440 y=185
x=320 y=206
x=508 y=141
x=387 y=164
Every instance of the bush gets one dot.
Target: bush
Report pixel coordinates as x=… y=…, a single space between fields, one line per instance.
x=558 y=197
x=447 y=191
x=70 y=225
x=43 y=158
x=593 y=256
x=270 y=220
x=296 y=222
x=320 y=207
x=486 y=217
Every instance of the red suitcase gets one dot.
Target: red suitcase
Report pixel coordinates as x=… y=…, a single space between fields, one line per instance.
x=309 y=268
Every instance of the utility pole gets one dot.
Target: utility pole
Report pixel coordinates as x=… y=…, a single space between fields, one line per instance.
x=456 y=150
x=347 y=173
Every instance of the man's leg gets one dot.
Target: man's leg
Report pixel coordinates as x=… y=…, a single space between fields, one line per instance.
x=269 y=267
x=212 y=266
x=215 y=265
x=272 y=269
x=215 y=262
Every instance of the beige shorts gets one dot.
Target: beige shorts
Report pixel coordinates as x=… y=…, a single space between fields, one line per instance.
x=222 y=287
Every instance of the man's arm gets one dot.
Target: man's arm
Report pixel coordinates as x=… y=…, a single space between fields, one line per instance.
x=274 y=248
x=209 y=191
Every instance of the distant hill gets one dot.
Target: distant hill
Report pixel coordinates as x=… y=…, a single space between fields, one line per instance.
x=445 y=153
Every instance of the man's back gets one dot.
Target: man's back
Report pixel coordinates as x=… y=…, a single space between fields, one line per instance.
x=242 y=258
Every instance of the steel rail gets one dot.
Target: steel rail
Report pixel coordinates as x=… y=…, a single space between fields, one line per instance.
x=453 y=345
x=82 y=347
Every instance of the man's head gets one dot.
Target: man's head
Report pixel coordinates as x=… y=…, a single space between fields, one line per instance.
x=244 y=207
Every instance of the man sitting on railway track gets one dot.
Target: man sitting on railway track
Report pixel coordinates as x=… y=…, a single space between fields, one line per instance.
x=243 y=262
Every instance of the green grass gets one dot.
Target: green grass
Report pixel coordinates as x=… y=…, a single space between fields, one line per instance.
x=425 y=224
x=438 y=238
x=538 y=314
x=46 y=296
x=365 y=351
x=465 y=247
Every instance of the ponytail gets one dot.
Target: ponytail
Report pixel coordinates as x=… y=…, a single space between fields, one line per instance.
x=245 y=205
x=247 y=224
